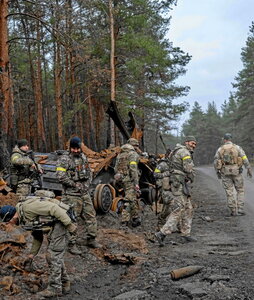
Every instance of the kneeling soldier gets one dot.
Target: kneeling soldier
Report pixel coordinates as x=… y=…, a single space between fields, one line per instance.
x=43 y=214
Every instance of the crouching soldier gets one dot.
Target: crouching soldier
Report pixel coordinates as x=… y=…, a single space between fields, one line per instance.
x=43 y=214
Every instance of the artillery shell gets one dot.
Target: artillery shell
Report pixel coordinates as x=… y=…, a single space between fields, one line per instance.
x=185 y=272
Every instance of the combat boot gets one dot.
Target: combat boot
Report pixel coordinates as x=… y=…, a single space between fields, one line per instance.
x=66 y=286
x=73 y=249
x=48 y=293
x=92 y=243
x=241 y=212
x=136 y=222
x=160 y=238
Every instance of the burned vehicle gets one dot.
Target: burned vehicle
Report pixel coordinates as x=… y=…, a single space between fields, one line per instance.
x=105 y=193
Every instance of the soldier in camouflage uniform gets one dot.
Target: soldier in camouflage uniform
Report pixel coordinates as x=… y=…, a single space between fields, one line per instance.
x=181 y=208
x=162 y=176
x=42 y=206
x=74 y=173
x=21 y=166
x=228 y=162
x=126 y=172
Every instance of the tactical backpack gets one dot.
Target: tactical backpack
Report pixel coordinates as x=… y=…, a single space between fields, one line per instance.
x=122 y=166
x=229 y=154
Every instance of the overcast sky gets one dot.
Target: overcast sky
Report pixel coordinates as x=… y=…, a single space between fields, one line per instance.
x=213 y=33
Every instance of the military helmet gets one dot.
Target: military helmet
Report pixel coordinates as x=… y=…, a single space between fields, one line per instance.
x=227 y=136
x=127 y=148
x=189 y=138
x=133 y=142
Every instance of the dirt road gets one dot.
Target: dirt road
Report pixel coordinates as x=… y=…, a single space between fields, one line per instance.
x=224 y=249
x=131 y=266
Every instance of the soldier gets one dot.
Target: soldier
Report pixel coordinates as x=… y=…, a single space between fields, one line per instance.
x=181 y=214
x=162 y=175
x=74 y=173
x=228 y=162
x=31 y=212
x=21 y=168
x=126 y=171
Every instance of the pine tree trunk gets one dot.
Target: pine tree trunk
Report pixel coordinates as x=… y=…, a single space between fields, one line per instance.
x=112 y=68
x=38 y=96
x=58 y=98
x=6 y=97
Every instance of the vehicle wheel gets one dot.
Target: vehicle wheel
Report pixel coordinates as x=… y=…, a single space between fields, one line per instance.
x=103 y=197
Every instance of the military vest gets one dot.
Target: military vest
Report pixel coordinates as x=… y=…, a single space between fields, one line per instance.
x=78 y=169
x=18 y=172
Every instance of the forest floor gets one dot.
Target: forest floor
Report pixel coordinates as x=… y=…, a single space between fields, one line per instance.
x=131 y=266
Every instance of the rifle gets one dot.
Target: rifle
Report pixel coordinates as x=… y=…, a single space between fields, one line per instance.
x=36 y=174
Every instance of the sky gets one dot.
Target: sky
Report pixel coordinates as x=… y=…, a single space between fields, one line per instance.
x=213 y=32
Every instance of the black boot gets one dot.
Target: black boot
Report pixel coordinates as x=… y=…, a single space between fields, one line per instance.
x=160 y=238
x=92 y=243
x=136 y=222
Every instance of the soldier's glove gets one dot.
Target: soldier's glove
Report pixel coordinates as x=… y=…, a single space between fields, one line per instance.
x=137 y=189
x=219 y=174
x=79 y=186
x=249 y=172
x=190 y=178
x=118 y=177
x=72 y=228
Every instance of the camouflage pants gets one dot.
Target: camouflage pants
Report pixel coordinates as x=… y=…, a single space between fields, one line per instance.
x=83 y=207
x=234 y=184
x=23 y=190
x=131 y=208
x=181 y=214
x=166 y=208
x=55 y=257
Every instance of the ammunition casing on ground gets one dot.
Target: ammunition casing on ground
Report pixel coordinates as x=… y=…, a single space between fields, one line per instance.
x=185 y=272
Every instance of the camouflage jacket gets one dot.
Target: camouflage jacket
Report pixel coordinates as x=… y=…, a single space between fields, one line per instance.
x=182 y=162
x=127 y=165
x=20 y=165
x=71 y=170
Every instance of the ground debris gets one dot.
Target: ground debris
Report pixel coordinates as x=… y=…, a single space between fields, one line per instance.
x=123 y=258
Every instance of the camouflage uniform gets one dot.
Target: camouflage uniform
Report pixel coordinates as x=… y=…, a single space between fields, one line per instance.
x=28 y=211
x=127 y=167
x=73 y=170
x=232 y=179
x=181 y=214
x=20 y=172
x=162 y=174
